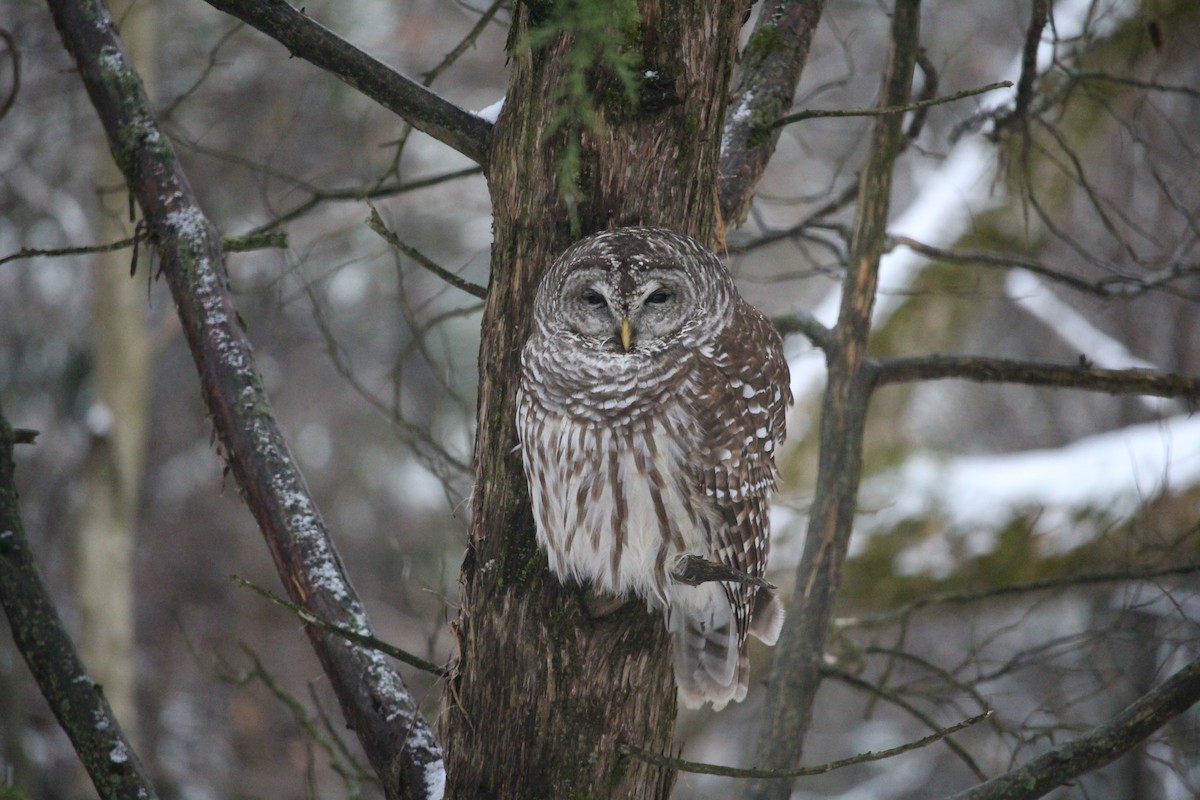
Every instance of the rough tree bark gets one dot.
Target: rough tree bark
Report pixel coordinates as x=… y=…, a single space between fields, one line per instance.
x=376 y=702
x=77 y=701
x=548 y=686
x=544 y=691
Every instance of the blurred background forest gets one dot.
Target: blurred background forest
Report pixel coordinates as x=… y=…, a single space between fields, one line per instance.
x=370 y=363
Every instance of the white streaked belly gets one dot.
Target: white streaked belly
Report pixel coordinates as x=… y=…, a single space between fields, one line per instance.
x=601 y=515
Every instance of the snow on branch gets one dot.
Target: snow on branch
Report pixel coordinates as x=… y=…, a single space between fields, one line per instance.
x=373 y=696
x=772 y=61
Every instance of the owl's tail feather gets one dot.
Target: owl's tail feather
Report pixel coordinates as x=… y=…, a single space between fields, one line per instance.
x=709 y=665
x=766 y=619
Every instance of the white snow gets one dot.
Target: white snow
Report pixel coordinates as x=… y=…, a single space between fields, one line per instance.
x=977 y=495
x=1111 y=473
x=491 y=113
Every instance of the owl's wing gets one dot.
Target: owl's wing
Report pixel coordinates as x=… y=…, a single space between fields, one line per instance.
x=742 y=396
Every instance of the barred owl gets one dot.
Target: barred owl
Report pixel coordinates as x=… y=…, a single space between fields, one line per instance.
x=651 y=402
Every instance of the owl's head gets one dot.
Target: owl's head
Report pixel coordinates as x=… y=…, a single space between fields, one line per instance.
x=636 y=290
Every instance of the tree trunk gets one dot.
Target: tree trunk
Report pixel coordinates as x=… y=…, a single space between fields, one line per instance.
x=107 y=519
x=545 y=690
x=797 y=672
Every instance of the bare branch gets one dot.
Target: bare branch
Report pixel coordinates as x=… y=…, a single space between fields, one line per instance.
x=799 y=772
x=229 y=244
x=324 y=737
x=878 y=112
x=76 y=700
x=376 y=223
x=1050 y=584
x=14 y=56
x=1153 y=86
x=377 y=704
x=796 y=674
x=1097 y=747
x=1003 y=370
x=805 y=323
x=424 y=110
x=489 y=13
x=897 y=700
x=772 y=61
x=1109 y=286
x=374 y=192
x=348 y=634
x=1038 y=15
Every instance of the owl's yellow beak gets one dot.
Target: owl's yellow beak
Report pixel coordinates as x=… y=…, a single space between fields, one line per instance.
x=626 y=333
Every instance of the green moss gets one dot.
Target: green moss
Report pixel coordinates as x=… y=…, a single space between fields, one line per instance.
x=600 y=76
x=138 y=128
x=765 y=42
x=760 y=128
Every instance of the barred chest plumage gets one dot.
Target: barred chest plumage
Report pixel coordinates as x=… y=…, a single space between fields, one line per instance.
x=609 y=479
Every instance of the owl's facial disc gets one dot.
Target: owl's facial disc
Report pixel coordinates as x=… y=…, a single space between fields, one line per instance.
x=625 y=311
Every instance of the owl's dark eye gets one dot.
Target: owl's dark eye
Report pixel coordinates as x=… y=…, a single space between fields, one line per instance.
x=593 y=298
x=659 y=297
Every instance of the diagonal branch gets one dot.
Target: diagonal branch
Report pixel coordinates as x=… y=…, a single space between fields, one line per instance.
x=772 y=61
x=375 y=700
x=424 y=110
x=77 y=701
x=1097 y=747
x=376 y=223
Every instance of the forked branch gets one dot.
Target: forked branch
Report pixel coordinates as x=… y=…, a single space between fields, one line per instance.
x=1097 y=747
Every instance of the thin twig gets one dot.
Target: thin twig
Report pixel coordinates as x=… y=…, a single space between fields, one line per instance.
x=15 y=59
x=1152 y=86
x=820 y=769
x=358 y=193
x=229 y=244
x=1049 y=584
x=901 y=702
x=348 y=634
x=879 y=112
x=1097 y=747
x=429 y=77
x=1004 y=370
x=376 y=223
